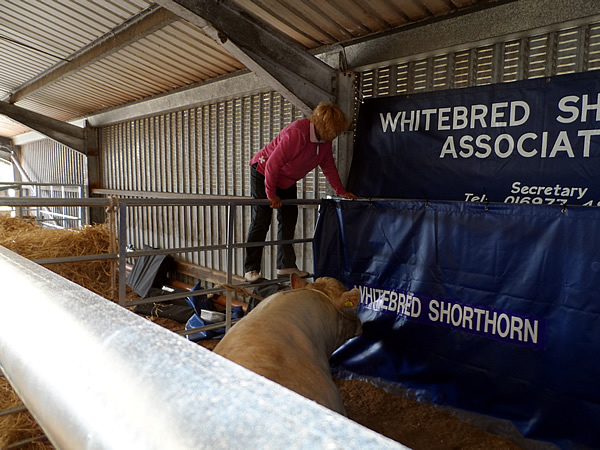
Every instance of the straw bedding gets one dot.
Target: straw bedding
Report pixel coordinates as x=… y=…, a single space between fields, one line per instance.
x=35 y=242
x=19 y=426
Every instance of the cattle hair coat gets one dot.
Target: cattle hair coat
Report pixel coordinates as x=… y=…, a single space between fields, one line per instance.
x=290 y=336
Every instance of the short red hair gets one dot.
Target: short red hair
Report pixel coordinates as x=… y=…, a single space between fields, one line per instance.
x=329 y=120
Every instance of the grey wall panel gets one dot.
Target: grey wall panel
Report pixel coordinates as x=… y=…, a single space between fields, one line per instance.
x=573 y=49
x=202 y=150
x=47 y=161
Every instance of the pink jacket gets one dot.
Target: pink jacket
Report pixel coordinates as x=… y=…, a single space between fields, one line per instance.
x=292 y=154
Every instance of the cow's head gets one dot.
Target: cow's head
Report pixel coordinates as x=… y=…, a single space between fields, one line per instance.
x=345 y=301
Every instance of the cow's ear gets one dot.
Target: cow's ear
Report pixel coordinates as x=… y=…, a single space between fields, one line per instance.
x=351 y=299
x=349 y=310
x=296 y=282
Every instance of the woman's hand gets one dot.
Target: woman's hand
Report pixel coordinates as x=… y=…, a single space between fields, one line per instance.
x=349 y=196
x=275 y=202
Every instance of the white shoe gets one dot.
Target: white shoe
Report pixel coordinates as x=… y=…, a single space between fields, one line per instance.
x=291 y=270
x=252 y=276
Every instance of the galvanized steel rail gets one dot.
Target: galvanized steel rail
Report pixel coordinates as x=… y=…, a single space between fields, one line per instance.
x=49 y=190
x=95 y=375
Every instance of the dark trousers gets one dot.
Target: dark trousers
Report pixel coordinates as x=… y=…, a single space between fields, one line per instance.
x=287 y=216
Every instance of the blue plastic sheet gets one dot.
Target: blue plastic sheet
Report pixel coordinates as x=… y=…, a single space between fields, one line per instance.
x=200 y=302
x=493 y=309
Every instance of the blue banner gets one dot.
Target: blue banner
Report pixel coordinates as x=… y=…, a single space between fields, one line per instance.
x=518 y=329
x=489 y=308
x=534 y=141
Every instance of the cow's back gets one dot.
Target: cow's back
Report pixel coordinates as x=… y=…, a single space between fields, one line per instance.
x=289 y=338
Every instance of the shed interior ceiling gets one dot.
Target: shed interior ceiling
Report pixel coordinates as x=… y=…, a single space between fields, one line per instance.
x=70 y=59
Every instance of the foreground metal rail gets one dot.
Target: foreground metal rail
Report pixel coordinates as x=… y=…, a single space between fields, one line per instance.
x=97 y=376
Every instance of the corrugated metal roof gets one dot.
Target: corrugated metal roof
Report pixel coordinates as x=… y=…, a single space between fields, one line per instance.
x=318 y=22
x=38 y=37
x=11 y=128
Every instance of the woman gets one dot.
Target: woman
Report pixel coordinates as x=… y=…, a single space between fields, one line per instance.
x=299 y=148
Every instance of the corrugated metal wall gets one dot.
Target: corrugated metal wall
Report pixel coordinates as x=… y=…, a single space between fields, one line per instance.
x=566 y=51
x=47 y=161
x=204 y=150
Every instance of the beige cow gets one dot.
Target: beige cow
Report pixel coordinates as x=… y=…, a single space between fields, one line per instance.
x=290 y=336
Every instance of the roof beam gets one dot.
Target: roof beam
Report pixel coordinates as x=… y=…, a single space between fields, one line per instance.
x=284 y=65
x=84 y=140
x=70 y=135
x=143 y=24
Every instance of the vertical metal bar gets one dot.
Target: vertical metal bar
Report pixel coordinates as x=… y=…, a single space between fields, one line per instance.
x=122 y=250
x=551 y=54
x=230 y=239
x=498 y=62
x=451 y=75
x=52 y=209
x=581 y=63
x=524 y=62
x=429 y=73
x=410 y=77
x=62 y=209
x=80 y=209
x=393 y=79
x=83 y=217
x=472 y=69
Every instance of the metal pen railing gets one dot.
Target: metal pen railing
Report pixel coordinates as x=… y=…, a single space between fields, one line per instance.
x=229 y=246
x=122 y=254
x=48 y=216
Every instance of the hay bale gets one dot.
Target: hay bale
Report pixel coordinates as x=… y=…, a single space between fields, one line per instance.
x=35 y=242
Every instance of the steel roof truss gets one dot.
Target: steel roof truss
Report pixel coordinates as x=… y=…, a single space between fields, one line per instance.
x=288 y=68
